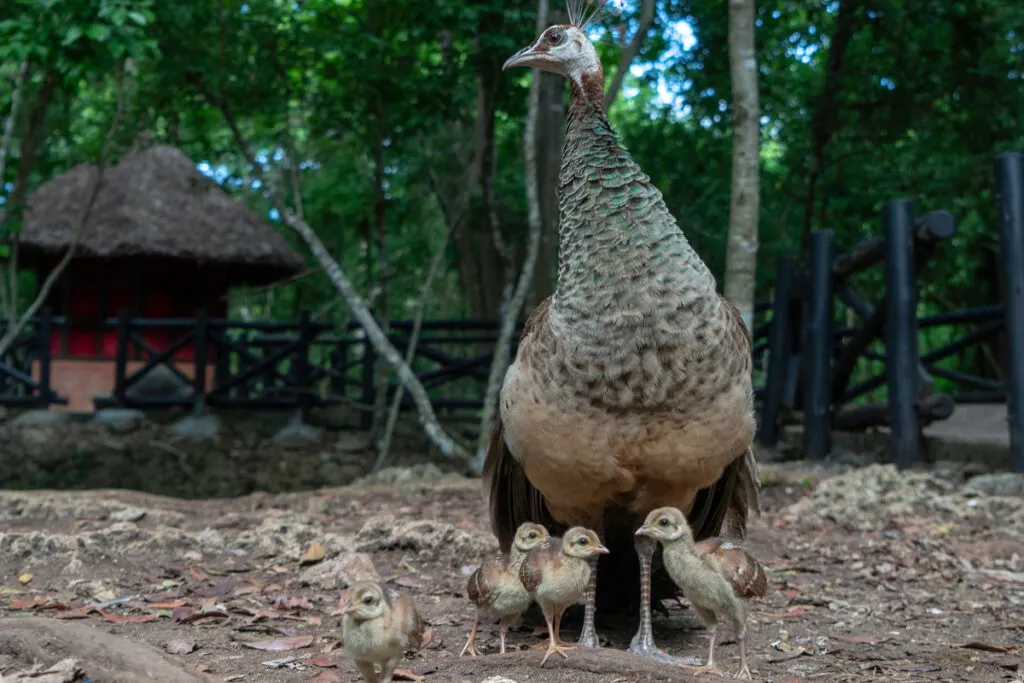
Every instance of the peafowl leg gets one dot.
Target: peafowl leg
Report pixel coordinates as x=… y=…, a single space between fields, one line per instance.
x=588 y=636
x=643 y=641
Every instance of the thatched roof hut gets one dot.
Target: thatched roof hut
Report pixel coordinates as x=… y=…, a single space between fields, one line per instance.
x=154 y=203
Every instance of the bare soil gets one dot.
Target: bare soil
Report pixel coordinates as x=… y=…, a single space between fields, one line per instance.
x=874 y=576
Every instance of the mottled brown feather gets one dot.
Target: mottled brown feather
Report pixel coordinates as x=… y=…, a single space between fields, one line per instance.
x=740 y=568
x=532 y=571
x=406 y=619
x=481 y=586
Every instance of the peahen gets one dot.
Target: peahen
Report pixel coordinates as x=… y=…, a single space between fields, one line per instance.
x=631 y=389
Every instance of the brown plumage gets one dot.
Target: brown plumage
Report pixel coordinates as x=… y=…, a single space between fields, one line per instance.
x=496 y=589
x=631 y=388
x=715 y=575
x=378 y=626
x=556 y=573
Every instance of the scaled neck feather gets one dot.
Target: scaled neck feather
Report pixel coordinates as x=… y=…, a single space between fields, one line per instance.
x=625 y=271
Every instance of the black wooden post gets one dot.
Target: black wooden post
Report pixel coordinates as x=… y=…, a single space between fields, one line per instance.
x=1010 y=189
x=300 y=366
x=43 y=336
x=901 y=354
x=201 y=354
x=369 y=390
x=818 y=347
x=339 y=362
x=124 y=324
x=779 y=351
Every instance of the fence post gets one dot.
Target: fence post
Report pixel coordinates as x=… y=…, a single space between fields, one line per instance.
x=124 y=322
x=1010 y=190
x=818 y=346
x=202 y=334
x=44 y=334
x=300 y=366
x=901 y=353
x=779 y=346
x=368 y=399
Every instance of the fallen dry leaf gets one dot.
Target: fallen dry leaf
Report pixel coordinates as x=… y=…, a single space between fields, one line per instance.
x=406 y=675
x=181 y=613
x=127 y=619
x=280 y=644
x=323 y=662
x=314 y=554
x=27 y=604
x=784 y=615
x=181 y=647
x=986 y=647
x=327 y=677
x=25 y=578
x=168 y=605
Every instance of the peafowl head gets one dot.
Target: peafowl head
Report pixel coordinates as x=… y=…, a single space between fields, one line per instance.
x=566 y=50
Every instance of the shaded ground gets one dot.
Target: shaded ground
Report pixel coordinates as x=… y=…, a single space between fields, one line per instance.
x=873 y=576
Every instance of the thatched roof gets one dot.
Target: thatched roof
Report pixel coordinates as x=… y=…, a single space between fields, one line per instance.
x=155 y=203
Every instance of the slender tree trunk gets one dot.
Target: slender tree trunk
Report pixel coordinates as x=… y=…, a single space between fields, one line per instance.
x=381 y=373
x=823 y=123
x=550 y=133
x=629 y=53
x=741 y=252
x=499 y=364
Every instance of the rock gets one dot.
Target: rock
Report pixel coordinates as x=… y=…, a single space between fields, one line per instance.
x=341 y=571
x=425 y=536
x=97 y=591
x=296 y=433
x=998 y=484
x=120 y=420
x=197 y=426
x=131 y=514
x=41 y=418
x=497 y=679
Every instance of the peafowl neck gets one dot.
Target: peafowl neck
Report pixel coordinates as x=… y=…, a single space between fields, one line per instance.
x=626 y=271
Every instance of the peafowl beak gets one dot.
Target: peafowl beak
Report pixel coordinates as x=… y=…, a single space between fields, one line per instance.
x=643 y=530
x=531 y=55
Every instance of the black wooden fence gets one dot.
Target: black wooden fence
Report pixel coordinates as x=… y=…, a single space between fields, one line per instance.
x=812 y=360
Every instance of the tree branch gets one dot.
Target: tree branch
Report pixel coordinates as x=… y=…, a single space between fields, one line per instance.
x=499 y=364
x=630 y=53
x=81 y=219
x=384 y=444
x=428 y=419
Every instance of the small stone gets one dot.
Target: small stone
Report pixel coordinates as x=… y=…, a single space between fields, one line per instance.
x=200 y=426
x=41 y=418
x=296 y=433
x=131 y=514
x=120 y=420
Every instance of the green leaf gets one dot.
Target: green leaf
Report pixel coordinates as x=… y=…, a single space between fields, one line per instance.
x=73 y=33
x=98 y=32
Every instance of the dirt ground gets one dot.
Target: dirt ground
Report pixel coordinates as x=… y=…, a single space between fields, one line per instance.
x=874 y=576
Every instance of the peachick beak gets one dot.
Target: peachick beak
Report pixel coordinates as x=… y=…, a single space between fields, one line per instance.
x=601 y=549
x=642 y=531
x=518 y=57
x=348 y=608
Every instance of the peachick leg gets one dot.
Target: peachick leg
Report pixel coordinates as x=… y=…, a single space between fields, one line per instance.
x=744 y=671
x=588 y=636
x=368 y=671
x=387 y=671
x=502 y=632
x=709 y=667
x=470 y=645
x=553 y=646
x=643 y=641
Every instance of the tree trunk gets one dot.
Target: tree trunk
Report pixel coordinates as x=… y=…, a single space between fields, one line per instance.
x=499 y=363
x=550 y=132
x=741 y=252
